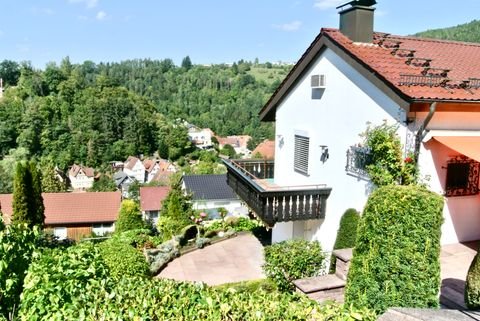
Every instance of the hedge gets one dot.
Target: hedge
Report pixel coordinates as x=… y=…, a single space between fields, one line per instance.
x=396 y=257
x=347 y=232
x=472 y=285
x=123 y=260
x=129 y=217
x=291 y=260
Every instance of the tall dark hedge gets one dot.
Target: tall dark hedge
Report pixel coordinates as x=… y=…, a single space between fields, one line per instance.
x=396 y=257
x=347 y=232
x=472 y=286
x=27 y=204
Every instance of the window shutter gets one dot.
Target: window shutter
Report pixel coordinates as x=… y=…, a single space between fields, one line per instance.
x=300 y=162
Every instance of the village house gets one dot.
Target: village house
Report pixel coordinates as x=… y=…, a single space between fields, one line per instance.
x=74 y=215
x=349 y=77
x=265 y=150
x=81 y=177
x=238 y=142
x=152 y=167
x=134 y=167
x=201 y=138
x=211 y=192
x=151 y=198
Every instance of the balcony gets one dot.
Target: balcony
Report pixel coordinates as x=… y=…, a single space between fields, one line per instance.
x=252 y=180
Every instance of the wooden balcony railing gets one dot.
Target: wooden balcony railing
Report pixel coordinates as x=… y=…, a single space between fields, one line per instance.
x=252 y=180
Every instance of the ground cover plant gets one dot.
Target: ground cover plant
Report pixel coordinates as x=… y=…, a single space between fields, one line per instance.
x=396 y=257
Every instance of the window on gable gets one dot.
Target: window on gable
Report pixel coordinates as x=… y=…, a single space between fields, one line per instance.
x=300 y=162
x=462 y=177
x=357 y=160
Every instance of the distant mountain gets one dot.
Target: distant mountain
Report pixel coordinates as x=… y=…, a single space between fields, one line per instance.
x=469 y=32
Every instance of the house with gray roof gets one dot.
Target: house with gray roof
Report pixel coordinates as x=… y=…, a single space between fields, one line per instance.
x=211 y=192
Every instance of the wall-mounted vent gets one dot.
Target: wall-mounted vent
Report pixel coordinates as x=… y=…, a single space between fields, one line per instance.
x=318 y=81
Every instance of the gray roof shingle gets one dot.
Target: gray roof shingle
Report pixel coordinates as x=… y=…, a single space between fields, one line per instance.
x=208 y=187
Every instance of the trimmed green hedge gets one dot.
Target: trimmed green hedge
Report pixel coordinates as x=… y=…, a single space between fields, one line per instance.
x=472 y=286
x=347 y=232
x=396 y=257
x=291 y=260
x=123 y=260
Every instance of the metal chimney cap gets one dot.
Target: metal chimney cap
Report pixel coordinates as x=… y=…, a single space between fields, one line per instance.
x=365 y=3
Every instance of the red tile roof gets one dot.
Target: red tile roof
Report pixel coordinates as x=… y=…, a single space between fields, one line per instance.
x=266 y=149
x=131 y=161
x=75 y=169
x=149 y=164
x=462 y=59
x=73 y=208
x=151 y=197
x=393 y=67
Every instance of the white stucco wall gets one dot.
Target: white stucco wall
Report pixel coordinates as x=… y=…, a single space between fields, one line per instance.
x=461 y=213
x=335 y=120
x=81 y=181
x=138 y=172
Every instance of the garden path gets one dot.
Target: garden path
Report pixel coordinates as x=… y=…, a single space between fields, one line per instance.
x=233 y=260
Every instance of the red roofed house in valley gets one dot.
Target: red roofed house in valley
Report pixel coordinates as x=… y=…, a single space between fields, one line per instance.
x=151 y=198
x=74 y=215
x=346 y=78
x=265 y=150
x=81 y=177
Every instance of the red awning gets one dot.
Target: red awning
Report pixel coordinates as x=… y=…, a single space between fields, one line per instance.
x=466 y=145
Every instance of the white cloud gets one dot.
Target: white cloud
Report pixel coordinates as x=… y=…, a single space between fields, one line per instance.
x=327 y=4
x=88 y=3
x=291 y=26
x=101 y=15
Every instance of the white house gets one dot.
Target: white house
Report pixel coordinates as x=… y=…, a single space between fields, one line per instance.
x=152 y=167
x=134 y=167
x=201 y=138
x=346 y=78
x=211 y=192
x=81 y=177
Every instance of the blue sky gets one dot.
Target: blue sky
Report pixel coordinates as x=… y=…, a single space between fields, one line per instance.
x=209 y=31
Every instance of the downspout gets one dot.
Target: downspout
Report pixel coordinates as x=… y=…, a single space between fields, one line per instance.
x=422 y=131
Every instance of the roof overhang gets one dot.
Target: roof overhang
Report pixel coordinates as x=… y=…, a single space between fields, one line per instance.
x=318 y=46
x=465 y=145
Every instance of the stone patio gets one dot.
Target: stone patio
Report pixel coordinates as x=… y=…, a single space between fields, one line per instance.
x=233 y=260
x=455 y=260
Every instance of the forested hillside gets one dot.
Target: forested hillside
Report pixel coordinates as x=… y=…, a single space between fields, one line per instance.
x=95 y=113
x=469 y=32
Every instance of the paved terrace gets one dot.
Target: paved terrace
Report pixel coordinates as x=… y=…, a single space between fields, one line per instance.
x=233 y=260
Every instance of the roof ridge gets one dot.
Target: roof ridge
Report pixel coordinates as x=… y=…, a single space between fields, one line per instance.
x=414 y=38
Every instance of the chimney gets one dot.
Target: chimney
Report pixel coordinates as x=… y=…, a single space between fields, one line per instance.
x=356 y=21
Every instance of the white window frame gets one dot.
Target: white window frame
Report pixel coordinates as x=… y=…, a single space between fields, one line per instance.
x=60 y=232
x=301 y=154
x=102 y=228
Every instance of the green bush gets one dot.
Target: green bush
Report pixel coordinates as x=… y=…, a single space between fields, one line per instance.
x=472 y=286
x=291 y=260
x=139 y=238
x=396 y=257
x=347 y=232
x=129 y=217
x=169 y=227
x=123 y=260
x=17 y=243
x=60 y=283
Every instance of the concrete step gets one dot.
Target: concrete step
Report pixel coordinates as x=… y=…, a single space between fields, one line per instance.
x=322 y=288
x=452 y=298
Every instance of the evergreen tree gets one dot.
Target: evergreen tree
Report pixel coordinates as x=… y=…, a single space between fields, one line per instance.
x=27 y=195
x=38 y=210
x=22 y=192
x=187 y=63
x=129 y=217
x=50 y=182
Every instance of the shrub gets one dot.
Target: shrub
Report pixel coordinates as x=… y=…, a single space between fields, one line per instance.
x=137 y=238
x=169 y=227
x=123 y=260
x=396 y=257
x=17 y=242
x=472 y=286
x=347 y=232
x=129 y=217
x=291 y=260
x=60 y=283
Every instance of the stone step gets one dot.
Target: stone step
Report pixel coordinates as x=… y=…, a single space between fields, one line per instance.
x=322 y=288
x=409 y=314
x=452 y=299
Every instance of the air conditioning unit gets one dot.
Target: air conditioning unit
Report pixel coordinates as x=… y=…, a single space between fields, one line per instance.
x=318 y=81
